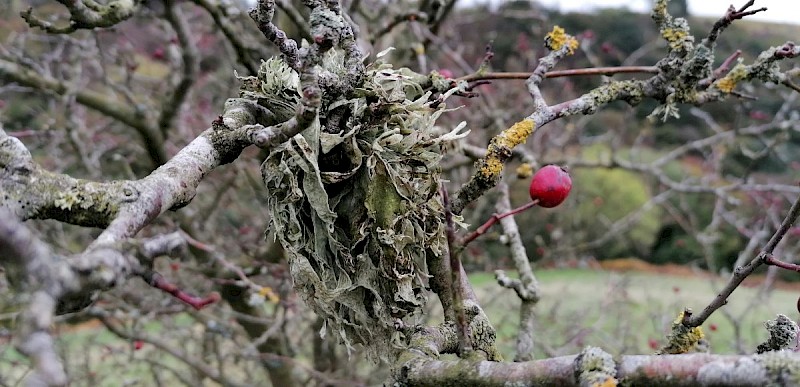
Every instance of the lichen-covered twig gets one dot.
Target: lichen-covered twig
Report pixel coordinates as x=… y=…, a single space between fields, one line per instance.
x=84 y=16
x=726 y=20
x=262 y=14
x=683 y=77
x=526 y=287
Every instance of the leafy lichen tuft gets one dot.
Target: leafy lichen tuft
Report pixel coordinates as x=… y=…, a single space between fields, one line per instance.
x=354 y=202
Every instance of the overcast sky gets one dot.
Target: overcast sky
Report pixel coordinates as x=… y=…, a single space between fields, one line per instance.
x=782 y=11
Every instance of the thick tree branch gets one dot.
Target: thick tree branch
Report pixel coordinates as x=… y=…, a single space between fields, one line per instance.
x=636 y=370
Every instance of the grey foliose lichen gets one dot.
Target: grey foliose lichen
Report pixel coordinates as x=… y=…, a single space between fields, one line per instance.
x=354 y=202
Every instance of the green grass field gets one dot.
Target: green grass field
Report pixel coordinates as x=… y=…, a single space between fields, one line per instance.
x=623 y=312
x=620 y=312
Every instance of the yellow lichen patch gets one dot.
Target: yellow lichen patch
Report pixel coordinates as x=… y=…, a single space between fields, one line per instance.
x=493 y=167
x=524 y=171
x=675 y=37
x=726 y=84
x=269 y=294
x=517 y=133
x=503 y=143
x=558 y=38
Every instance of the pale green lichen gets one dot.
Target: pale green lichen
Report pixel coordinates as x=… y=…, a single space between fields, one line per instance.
x=275 y=87
x=355 y=204
x=783 y=367
x=782 y=334
x=595 y=367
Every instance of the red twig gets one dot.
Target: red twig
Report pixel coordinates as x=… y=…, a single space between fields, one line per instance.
x=494 y=219
x=770 y=259
x=158 y=281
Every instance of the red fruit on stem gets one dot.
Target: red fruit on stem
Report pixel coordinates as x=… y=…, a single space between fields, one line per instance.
x=550 y=186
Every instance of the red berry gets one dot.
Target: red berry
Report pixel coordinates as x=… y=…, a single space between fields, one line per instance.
x=158 y=53
x=652 y=343
x=713 y=327
x=550 y=186
x=137 y=345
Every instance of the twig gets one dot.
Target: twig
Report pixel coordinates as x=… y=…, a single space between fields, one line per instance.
x=158 y=281
x=496 y=217
x=742 y=272
x=770 y=259
x=454 y=248
x=730 y=15
x=562 y=73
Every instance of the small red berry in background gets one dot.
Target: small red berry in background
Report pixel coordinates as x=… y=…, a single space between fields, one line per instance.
x=713 y=327
x=550 y=186
x=652 y=343
x=175 y=266
x=759 y=115
x=137 y=345
x=158 y=53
